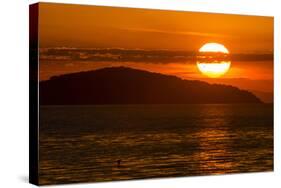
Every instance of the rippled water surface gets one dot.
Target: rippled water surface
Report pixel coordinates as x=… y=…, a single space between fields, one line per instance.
x=84 y=143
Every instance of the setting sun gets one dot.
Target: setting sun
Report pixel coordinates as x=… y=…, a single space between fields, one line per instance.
x=214 y=47
x=214 y=70
x=212 y=60
x=145 y=93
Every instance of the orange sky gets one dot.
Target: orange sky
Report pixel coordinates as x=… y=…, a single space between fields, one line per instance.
x=92 y=27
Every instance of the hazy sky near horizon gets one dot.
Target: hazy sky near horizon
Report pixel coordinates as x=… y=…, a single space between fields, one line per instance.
x=84 y=26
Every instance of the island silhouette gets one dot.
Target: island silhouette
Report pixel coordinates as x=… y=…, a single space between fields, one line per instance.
x=123 y=85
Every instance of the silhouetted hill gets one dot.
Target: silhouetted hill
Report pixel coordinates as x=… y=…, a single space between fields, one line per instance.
x=121 y=85
x=266 y=97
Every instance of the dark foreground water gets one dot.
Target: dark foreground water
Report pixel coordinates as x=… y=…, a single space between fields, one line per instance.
x=83 y=143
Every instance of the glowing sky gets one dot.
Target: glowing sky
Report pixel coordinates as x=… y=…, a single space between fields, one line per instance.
x=93 y=26
x=75 y=38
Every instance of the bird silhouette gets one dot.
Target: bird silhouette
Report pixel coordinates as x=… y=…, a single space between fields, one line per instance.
x=118 y=163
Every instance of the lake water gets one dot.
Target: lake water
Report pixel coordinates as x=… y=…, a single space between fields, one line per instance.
x=83 y=143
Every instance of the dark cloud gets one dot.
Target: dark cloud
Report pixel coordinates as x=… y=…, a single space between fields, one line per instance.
x=133 y=55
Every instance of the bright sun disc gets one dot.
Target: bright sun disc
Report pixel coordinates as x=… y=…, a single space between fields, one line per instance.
x=214 y=70
x=213 y=47
x=212 y=60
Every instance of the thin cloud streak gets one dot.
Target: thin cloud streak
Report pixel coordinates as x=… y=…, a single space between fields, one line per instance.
x=190 y=33
x=132 y=55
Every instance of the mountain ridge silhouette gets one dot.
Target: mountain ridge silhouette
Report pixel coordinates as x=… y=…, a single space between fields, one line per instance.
x=124 y=85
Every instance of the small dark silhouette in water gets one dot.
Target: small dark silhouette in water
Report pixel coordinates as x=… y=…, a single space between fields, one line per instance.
x=118 y=163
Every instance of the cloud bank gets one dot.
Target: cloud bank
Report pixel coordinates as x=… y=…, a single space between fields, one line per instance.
x=132 y=55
